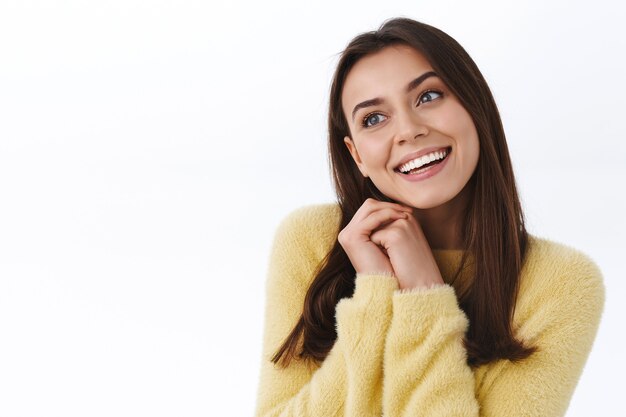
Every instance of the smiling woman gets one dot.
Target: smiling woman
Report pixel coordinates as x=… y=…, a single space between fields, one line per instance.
x=421 y=292
x=412 y=126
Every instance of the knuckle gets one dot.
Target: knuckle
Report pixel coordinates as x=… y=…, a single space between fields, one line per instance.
x=344 y=237
x=394 y=235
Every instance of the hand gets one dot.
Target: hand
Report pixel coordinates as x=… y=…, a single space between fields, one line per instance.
x=409 y=253
x=365 y=255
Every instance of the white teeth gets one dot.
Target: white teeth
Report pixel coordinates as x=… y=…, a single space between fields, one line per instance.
x=423 y=160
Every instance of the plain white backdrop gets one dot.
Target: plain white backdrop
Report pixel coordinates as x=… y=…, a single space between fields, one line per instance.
x=149 y=149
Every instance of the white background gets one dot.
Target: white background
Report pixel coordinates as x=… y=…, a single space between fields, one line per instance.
x=148 y=150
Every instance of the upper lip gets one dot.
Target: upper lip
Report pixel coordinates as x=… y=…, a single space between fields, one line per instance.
x=417 y=154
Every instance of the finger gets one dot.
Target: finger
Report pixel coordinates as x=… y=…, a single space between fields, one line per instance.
x=382 y=204
x=371 y=205
x=377 y=238
x=379 y=218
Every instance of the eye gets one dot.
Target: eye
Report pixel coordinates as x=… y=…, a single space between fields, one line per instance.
x=429 y=96
x=372 y=119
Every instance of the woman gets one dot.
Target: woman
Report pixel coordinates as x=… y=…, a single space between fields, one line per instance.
x=421 y=293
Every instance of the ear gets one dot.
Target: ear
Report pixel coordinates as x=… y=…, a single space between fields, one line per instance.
x=355 y=155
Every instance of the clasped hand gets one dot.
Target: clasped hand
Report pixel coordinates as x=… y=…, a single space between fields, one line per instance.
x=386 y=237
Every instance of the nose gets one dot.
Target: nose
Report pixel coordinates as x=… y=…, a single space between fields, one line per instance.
x=409 y=126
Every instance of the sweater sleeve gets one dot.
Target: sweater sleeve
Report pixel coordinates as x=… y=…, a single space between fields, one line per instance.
x=425 y=362
x=349 y=380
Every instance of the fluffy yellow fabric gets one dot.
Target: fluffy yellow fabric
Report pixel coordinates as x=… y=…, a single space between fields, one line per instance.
x=400 y=352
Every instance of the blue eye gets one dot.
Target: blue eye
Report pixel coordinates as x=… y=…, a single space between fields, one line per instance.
x=374 y=118
x=429 y=95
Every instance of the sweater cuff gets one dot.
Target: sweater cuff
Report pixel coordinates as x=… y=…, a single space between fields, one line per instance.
x=416 y=290
x=374 y=284
x=418 y=304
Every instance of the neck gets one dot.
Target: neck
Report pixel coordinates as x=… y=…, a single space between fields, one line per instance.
x=442 y=224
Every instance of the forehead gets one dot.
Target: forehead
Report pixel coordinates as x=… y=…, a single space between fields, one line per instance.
x=385 y=72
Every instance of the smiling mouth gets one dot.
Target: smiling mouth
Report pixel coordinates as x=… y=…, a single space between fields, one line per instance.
x=425 y=166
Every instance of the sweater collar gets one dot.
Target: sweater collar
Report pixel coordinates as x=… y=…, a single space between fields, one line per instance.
x=448 y=260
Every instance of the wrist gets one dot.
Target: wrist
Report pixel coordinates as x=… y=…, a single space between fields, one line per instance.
x=423 y=284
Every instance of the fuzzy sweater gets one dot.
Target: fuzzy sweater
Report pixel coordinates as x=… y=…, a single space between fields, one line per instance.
x=400 y=353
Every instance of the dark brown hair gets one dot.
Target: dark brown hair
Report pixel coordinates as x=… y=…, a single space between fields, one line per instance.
x=493 y=226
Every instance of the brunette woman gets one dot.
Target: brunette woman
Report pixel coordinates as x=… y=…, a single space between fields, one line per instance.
x=420 y=292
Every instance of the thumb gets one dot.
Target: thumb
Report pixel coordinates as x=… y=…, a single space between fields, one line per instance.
x=377 y=237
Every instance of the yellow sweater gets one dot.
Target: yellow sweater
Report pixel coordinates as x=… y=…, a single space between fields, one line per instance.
x=400 y=353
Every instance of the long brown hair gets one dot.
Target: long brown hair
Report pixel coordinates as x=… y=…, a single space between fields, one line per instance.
x=493 y=226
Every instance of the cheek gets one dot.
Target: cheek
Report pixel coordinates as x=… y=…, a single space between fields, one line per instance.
x=470 y=138
x=460 y=125
x=374 y=151
x=457 y=123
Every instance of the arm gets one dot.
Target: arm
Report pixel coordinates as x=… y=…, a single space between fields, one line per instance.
x=349 y=381
x=425 y=361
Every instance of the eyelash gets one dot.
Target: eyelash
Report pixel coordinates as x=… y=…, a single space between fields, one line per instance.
x=367 y=116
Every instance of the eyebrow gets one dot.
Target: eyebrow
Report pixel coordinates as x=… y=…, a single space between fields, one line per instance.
x=411 y=86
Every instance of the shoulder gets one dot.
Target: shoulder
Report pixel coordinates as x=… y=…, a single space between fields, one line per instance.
x=556 y=272
x=324 y=215
x=315 y=226
x=560 y=259
x=303 y=238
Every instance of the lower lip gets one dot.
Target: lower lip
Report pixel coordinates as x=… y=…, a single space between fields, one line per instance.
x=433 y=170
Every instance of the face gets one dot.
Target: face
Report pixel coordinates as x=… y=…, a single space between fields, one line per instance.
x=398 y=113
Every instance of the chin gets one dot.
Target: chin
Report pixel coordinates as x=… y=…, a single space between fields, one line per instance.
x=426 y=205
x=427 y=201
